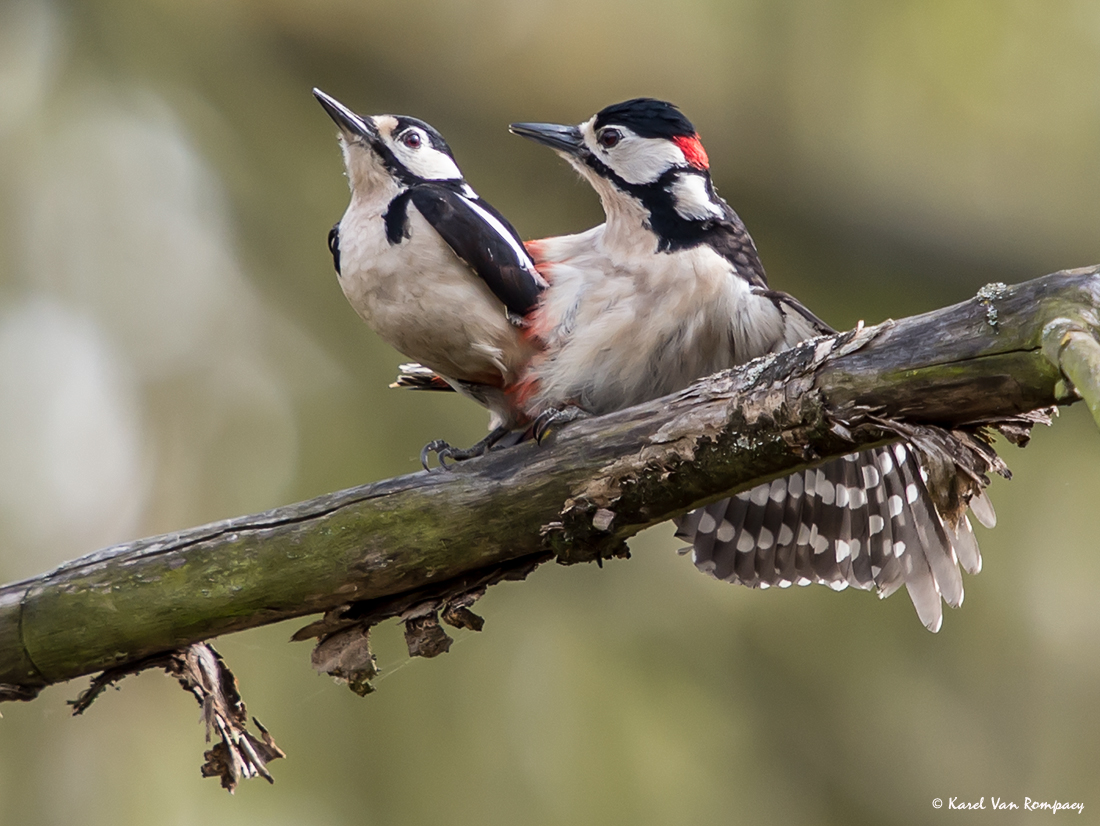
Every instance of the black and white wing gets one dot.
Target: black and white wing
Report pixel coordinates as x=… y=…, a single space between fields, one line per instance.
x=801 y=321
x=732 y=241
x=865 y=520
x=484 y=239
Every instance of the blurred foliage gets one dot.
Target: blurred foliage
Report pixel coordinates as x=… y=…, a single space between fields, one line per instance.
x=174 y=349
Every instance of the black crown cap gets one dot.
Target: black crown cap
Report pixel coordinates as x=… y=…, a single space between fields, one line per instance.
x=647 y=117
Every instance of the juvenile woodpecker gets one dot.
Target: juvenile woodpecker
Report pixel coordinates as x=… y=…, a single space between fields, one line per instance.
x=670 y=289
x=438 y=273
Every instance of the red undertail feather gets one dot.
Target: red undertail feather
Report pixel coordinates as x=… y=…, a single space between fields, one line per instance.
x=534 y=249
x=522 y=393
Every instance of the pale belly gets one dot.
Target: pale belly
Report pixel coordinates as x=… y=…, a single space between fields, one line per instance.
x=421 y=299
x=618 y=335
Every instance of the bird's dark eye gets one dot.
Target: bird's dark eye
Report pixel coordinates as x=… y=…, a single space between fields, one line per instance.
x=411 y=140
x=609 y=137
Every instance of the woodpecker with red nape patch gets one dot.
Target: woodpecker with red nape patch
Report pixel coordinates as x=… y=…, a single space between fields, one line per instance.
x=670 y=289
x=438 y=273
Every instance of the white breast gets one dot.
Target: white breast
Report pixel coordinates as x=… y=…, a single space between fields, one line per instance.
x=623 y=328
x=425 y=301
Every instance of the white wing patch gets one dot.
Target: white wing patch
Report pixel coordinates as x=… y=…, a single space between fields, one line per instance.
x=517 y=247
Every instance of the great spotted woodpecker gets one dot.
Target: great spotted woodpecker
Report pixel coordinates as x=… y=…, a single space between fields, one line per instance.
x=670 y=289
x=433 y=269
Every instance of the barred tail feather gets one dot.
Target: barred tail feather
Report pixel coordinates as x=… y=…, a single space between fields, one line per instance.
x=908 y=545
x=965 y=545
x=932 y=532
x=859 y=551
x=865 y=520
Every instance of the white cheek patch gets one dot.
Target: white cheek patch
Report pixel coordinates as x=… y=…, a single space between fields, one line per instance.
x=636 y=160
x=427 y=162
x=643 y=160
x=689 y=196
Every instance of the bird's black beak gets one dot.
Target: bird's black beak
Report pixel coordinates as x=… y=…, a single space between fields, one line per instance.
x=565 y=139
x=350 y=123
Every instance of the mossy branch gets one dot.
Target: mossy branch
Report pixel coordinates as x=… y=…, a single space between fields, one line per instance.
x=437 y=539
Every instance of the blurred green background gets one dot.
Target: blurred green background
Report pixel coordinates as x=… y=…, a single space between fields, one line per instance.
x=174 y=349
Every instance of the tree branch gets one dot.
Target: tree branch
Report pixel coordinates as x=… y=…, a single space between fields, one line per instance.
x=438 y=539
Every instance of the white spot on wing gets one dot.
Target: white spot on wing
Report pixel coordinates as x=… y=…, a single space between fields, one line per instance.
x=843 y=549
x=778 y=490
x=886 y=461
x=811 y=483
x=725 y=532
x=841 y=496
x=794 y=485
x=707 y=524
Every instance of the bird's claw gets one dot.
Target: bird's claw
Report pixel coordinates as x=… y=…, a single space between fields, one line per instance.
x=441 y=449
x=445 y=451
x=555 y=417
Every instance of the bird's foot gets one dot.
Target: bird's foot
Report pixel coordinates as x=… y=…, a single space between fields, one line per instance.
x=555 y=417
x=444 y=451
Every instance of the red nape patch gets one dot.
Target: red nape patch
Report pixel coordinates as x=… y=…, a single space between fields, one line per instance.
x=693 y=151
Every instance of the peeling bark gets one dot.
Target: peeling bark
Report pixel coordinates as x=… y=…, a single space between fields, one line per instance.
x=201 y=671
